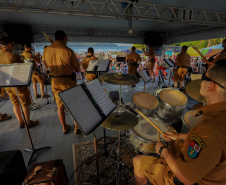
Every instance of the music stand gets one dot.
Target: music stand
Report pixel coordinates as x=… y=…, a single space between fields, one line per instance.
x=92 y=100
x=19 y=75
x=144 y=76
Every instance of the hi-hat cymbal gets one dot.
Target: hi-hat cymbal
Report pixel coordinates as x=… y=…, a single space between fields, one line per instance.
x=120 y=121
x=119 y=78
x=193 y=90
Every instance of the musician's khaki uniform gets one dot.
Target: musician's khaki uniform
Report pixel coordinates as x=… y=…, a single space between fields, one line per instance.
x=24 y=94
x=61 y=61
x=85 y=63
x=183 y=65
x=203 y=154
x=132 y=59
x=35 y=77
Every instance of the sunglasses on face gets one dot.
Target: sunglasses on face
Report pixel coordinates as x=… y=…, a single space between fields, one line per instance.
x=204 y=77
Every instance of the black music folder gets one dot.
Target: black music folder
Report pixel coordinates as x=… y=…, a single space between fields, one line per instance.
x=169 y=62
x=144 y=76
x=88 y=104
x=15 y=75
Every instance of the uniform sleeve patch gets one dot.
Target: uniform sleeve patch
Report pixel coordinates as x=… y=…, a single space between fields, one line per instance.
x=195 y=146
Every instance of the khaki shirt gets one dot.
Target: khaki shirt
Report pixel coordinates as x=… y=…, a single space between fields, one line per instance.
x=60 y=59
x=28 y=55
x=86 y=60
x=203 y=157
x=133 y=57
x=183 y=59
x=7 y=57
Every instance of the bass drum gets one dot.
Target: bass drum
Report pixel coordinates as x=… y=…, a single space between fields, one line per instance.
x=144 y=136
x=189 y=120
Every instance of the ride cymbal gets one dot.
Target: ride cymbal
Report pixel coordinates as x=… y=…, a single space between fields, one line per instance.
x=193 y=90
x=119 y=78
x=120 y=121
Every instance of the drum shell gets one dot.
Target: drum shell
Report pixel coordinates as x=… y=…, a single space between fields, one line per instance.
x=185 y=127
x=147 y=112
x=170 y=113
x=140 y=144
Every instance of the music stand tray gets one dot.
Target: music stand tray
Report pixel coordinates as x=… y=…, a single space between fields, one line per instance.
x=169 y=62
x=145 y=77
x=19 y=75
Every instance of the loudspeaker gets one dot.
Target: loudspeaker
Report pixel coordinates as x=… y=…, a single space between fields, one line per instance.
x=12 y=167
x=21 y=34
x=154 y=39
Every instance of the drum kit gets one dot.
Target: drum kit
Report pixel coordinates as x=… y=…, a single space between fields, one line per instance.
x=161 y=111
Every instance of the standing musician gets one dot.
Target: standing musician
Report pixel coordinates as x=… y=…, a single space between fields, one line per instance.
x=133 y=59
x=85 y=62
x=183 y=63
x=202 y=157
x=36 y=77
x=62 y=63
x=8 y=57
x=151 y=61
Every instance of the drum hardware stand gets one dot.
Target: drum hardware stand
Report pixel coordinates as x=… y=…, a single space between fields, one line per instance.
x=48 y=102
x=33 y=150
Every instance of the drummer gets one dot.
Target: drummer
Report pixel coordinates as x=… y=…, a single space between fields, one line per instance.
x=205 y=141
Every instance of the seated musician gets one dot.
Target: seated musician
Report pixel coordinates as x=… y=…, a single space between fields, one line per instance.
x=202 y=157
x=36 y=77
x=85 y=62
x=182 y=64
x=8 y=57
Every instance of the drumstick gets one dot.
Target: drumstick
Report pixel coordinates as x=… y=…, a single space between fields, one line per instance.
x=158 y=132
x=149 y=121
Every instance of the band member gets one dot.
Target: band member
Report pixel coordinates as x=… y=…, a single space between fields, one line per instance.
x=8 y=57
x=133 y=59
x=202 y=157
x=151 y=61
x=222 y=55
x=62 y=63
x=85 y=62
x=36 y=77
x=183 y=63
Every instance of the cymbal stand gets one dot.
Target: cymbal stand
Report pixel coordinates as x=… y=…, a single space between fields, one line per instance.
x=33 y=150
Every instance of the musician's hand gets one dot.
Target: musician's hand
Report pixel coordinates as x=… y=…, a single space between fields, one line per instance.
x=158 y=146
x=169 y=136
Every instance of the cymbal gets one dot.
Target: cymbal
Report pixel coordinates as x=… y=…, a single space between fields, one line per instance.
x=119 y=78
x=193 y=90
x=120 y=121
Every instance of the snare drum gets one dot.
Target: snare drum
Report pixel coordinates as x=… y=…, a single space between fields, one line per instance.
x=144 y=136
x=145 y=102
x=171 y=105
x=189 y=120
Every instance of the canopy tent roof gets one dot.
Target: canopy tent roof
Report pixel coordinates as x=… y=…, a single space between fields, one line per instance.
x=107 y=20
x=213 y=50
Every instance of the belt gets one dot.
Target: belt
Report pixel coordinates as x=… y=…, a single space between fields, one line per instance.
x=183 y=67
x=66 y=76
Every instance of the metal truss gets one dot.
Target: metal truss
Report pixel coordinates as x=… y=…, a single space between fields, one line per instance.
x=94 y=35
x=119 y=9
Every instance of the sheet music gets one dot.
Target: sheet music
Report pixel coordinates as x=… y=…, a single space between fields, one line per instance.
x=100 y=96
x=81 y=108
x=144 y=76
x=15 y=74
x=103 y=64
x=92 y=65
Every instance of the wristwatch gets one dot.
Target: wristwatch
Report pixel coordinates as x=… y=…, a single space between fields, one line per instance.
x=160 y=150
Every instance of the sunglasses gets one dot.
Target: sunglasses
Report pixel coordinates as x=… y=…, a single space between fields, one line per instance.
x=204 y=77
